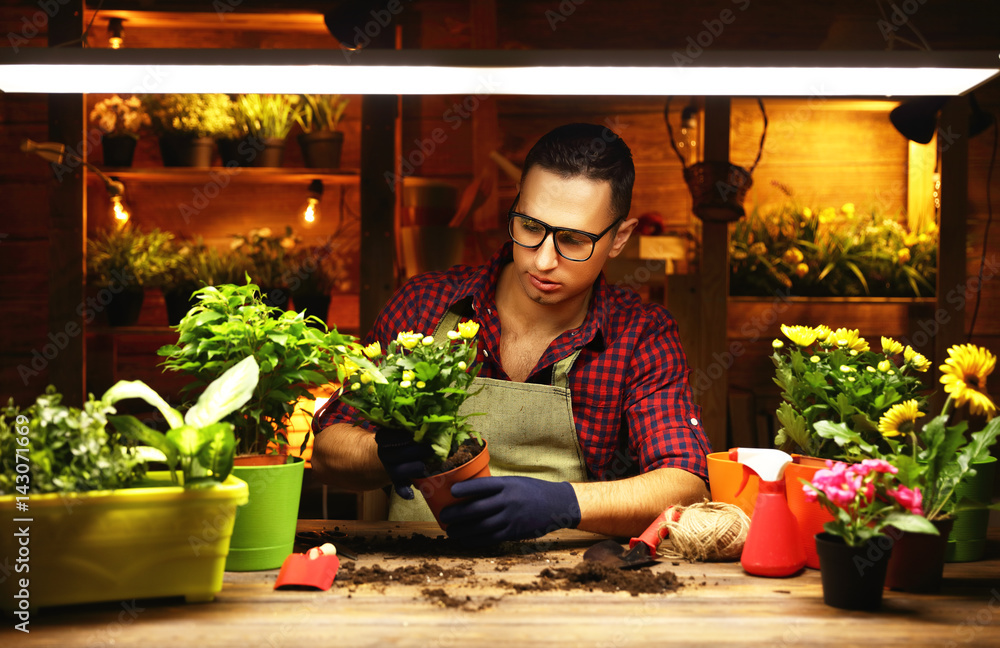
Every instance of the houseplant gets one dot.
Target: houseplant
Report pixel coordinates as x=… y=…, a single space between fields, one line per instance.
x=267 y=258
x=267 y=120
x=417 y=386
x=198 y=265
x=187 y=125
x=120 y=121
x=864 y=499
x=318 y=269
x=318 y=116
x=840 y=252
x=122 y=261
x=230 y=322
x=108 y=528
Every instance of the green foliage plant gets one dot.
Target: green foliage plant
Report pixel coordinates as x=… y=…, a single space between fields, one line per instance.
x=294 y=353
x=129 y=255
x=320 y=112
x=192 y=115
x=267 y=116
x=265 y=256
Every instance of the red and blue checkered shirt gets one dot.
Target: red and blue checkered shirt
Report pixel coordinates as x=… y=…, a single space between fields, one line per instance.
x=632 y=404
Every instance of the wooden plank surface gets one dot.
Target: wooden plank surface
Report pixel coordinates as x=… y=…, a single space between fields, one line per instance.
x=718 y=605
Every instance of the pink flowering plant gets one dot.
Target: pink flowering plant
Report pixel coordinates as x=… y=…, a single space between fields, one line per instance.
x=864 y=498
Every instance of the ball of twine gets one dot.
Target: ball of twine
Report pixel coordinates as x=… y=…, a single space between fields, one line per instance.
x=707 y=531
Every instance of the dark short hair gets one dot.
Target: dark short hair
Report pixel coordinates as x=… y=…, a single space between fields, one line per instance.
x=589 y=150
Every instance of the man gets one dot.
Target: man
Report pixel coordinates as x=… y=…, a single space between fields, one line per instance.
x=583 y=385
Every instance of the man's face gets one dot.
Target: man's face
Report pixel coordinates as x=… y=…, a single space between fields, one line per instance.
x=576 y=203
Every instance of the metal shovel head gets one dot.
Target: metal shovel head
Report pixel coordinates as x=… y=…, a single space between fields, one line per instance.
x=609 y=552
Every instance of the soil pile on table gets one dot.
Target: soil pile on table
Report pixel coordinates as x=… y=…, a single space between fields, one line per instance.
x=420 y=574
x=593 y=576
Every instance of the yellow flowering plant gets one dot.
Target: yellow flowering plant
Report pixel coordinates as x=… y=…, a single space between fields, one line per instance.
x=836 y=389
x=936 y=457
x=117 y=117
x=840 y=252
x=418 y=385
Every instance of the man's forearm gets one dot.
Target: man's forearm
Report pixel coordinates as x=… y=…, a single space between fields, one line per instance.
x=628 y=506
x=346 y=457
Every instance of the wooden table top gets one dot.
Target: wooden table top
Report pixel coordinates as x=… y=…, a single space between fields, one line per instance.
x=718 y=604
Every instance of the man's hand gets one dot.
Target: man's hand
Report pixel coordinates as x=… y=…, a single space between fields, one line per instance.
x=402 y=457
x=494 y=509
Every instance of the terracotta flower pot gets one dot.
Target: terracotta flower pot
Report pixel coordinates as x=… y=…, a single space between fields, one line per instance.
x=917 y=562
x=853 y=577
x=436 y=489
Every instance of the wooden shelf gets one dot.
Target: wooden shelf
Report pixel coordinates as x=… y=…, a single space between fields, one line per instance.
x=184 y=175
x=130 y=330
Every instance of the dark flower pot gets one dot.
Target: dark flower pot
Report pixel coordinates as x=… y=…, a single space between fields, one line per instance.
x=277 y=297
x=917 y=562
x=853 y=577
x=271 y=154
x=312 y=304
x=186 y=151
x=321 y=149
x=178 y=301
x=118 y=150
x=125 y=307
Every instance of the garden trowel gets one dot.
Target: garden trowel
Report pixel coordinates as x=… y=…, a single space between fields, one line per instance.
x=641 y=551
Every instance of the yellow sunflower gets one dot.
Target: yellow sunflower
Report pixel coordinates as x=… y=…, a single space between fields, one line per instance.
x=964 y=377
x=890 y=346
x=899 y=419
x=919 y=361
x=848 y=339
x=800 y=335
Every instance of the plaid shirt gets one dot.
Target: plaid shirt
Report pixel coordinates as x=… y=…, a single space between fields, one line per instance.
x=631 y=369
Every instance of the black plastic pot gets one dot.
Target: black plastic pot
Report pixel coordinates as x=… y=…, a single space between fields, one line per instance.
x=178 y=301
x=853 y=577
x=321 y=149
x=312 y=304
x=118 y=150
x=125 y=307
x=186 y=151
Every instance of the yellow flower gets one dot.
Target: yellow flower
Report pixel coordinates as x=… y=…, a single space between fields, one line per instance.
x=801 y=270
x=964 y=377
x=870 y=369
x=848 y=209
x=409 y=375
x=800 y=335
x=373 y=350
x=365 y=379
x=792 y=256
x=827 y=215
x=807 y=212
x=846 y=369
x=462 y=365
x=899 y=419
x=822 y=332
x=903 y=255
x=409 y=339
x=849 y=339
x=421 y=384
x=917 y=360
x=890 y=346
x=884 y=366
x=776 y=343
x=758 y=249
x=404 y=384
x=350 y=368
x=814 y=359
x=427 y=341
x=453 y=335
x=468 y=330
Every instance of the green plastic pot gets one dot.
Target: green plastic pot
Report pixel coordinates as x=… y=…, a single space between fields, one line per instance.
x=264 y=533
x=967 y=541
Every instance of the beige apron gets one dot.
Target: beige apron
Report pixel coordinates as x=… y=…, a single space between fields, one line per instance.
x=529 y=427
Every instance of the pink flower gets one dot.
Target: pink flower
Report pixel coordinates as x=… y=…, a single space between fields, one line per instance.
x=879 y=465
x=910 y=499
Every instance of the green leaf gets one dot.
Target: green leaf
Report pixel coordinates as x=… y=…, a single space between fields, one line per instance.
x=219 y=449
x=224 y=395
x=137 y=389
x=188 y=439
x=911 y=522
x=134 y=429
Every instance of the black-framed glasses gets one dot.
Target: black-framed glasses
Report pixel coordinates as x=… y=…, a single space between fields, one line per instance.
x=571 y=244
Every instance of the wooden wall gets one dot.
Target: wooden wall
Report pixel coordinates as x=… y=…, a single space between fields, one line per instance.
x=866 y=161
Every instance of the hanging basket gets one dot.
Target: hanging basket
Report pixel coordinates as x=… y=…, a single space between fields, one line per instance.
x=718 y=189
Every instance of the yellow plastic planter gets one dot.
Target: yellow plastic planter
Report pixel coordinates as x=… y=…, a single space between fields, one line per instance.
x=155 y=540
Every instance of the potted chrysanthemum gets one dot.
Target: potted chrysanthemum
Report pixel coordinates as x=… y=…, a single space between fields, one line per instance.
x=418 y=385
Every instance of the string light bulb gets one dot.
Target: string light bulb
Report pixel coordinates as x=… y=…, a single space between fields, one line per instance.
x=311 y=210
x=120 y=212
x=116 y=33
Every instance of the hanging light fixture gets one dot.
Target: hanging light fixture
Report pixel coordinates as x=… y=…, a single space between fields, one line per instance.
x=498 y=72
x=56 y=153
x=917 y=119
x=311 y=211
x=116 y=33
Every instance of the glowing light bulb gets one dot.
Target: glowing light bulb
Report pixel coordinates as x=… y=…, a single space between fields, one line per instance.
x=119 y=211
x=311 y=212
x=116 y=33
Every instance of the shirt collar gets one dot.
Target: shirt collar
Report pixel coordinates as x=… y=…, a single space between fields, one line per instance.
x=482 y=285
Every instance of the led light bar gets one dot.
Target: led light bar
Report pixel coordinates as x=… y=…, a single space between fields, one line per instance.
x=498 y=72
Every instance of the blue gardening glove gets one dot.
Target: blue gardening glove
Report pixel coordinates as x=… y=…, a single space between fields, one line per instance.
x=494 y=509
x=402 y=457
